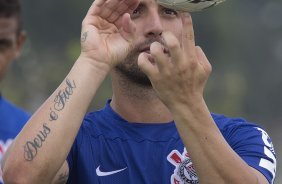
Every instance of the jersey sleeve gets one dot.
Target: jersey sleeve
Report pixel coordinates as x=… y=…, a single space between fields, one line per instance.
x=255 y=147
x=72 y=156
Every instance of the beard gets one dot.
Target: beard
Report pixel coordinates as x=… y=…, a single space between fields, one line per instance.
x=130 y=70
x=129 y=67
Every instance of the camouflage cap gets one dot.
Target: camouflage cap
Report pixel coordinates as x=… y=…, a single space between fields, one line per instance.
x=189 y=5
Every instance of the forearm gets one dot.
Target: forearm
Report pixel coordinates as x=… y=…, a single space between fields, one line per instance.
x=42 y=146
x=211 y=155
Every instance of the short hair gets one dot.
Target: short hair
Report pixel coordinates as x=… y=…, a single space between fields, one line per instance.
x=10 y=9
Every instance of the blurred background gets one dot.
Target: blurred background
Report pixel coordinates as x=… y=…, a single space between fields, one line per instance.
x=242 y=39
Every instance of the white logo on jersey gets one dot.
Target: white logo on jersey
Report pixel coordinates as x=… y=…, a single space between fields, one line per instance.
x=100 y=173
x=184 y=172
x=270 y=153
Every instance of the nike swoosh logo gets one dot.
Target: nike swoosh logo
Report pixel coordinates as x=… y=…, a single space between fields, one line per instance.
x=100 y=173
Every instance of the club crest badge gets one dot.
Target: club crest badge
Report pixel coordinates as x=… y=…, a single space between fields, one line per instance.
x=184 y=172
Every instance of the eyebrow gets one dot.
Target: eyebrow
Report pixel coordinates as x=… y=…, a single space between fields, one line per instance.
x=144 y=5
x=141 y=5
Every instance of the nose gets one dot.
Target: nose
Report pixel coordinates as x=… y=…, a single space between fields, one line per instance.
x=153 y=26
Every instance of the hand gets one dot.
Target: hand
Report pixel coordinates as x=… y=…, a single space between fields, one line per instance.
x=107 y=31
x=178 y=77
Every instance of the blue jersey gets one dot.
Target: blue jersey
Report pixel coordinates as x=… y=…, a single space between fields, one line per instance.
x=110 y=150
x=12 y=119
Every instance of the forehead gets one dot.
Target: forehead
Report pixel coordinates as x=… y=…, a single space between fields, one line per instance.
x=149 y=2
x=8 y=26
x=152 y=4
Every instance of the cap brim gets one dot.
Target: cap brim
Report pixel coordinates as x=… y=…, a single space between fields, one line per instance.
x=189 y=5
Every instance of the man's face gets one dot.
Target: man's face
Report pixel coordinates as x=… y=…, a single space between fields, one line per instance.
x=10 y=42
x=151 y=21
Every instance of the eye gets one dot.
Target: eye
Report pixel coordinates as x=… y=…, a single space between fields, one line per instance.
x=168 y=11
x=137 y=12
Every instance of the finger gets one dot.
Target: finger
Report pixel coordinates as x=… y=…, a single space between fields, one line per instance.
x=173 y=46
x=109 y=7
x=127 y=27
x=131 y=4
x=124 y=7
x=188 y=39
x=105 y=8
x=98 y=3
x=161 y=59
x=203 y=60
x=146 y=65
x=95 y=8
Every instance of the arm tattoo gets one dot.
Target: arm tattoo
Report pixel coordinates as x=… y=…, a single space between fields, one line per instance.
x=84 y=36
x=32 y=147
x=61 y=98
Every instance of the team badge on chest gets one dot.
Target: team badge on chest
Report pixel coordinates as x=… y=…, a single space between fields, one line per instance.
x=184 y=172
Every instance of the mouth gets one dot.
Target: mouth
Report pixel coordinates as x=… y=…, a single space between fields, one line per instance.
x=147 y=50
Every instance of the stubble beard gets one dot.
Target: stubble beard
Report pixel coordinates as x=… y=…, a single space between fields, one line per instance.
x=130 y=70
x=129 y=67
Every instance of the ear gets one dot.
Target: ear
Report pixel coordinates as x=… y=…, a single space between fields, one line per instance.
x=20 y=42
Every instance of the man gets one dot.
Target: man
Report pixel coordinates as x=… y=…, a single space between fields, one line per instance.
x=155 y=129
x=12 y=38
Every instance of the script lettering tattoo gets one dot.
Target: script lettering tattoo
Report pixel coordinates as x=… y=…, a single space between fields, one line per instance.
x=84 y=36
x=63 y=96
x=31 y=147
x=53 y=115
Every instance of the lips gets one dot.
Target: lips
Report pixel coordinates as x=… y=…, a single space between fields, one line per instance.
x=147 y=50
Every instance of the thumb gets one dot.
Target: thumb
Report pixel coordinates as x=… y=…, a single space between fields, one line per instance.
x=127 y=27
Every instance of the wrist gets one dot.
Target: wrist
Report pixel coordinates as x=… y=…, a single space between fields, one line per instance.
x=191 y=102
x=96 y=66
x=192 y=110
x=195 y=119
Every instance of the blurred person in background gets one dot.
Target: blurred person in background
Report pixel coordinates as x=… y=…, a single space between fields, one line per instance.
x=156 y=128
x=12 y=37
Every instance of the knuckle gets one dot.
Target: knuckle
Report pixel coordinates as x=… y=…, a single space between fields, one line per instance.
x=189 y=36
x=209 y=68
x=193 y=63
x=183 y=68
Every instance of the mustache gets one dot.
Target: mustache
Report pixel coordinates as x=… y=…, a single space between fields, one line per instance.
x=138 y=47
